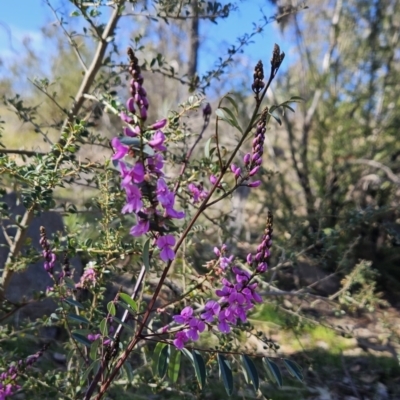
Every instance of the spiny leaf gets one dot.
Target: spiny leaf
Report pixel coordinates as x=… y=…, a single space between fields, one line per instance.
x=273 y=371
x=174 y=363
x=200 y=368
x=225 y=373
x=251 y=371
x=294 y=369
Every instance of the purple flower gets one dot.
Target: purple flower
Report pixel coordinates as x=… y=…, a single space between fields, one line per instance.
x=157 y=142
x=223 y=325
x=212 y=309
x=137 y=172
x=165 y=243
x=225 y=262
x=163 y=193
x=246 y=158
x=195 y=326
x=217 y=252
x=236 y=171
x=156 y=164
x=185 y=315
x=159 y=124
x=120 y=149
x=180 y=340
x=197 y=192
x=141 y=228
x=130 y=105
x=92 y=337
x=133 y=197
x=128 y=131
x=254 y=184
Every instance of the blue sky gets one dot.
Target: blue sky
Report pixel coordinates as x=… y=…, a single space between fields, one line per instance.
x=23 y=18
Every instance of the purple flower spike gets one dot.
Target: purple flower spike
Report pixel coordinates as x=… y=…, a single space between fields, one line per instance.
x=165 y=243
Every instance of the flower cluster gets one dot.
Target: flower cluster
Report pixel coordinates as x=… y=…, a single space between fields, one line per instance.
x=48 y=255
x=147 y=193
x=8 y=384
x=236 y=296
x=258 y=76
x=88 y=277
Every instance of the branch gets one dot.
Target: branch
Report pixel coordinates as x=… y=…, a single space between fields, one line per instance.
x=96 y=63
x=375 y=164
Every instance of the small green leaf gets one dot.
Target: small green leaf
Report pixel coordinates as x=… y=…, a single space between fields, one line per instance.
x=221 y=115
x=207 y=148
x=75 y=303
x=146 y=255
x=127 y=299
x=95 y=365
x=78 y=318
x=294 y=369
x=233 y=102
x=174 y=363
x=286 y=106
x=251 y=371
x=111 y=308
x=69 y=282
x=129 y=372
x=124 y=324
x=81 y=339
x=232 y=118
x=276 y=118
x=200 y=368
x=93 y=349
x=188 y=354
x=225 y=373
x=273 y=371
x=156 y=356
x=163 y=362
x=296 y=99
x=104 y=327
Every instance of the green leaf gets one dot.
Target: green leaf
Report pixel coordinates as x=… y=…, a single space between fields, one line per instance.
x=156 y=356
x=124 y=324
x=232 y=118
x=75 y=303
x=69 y=282
x=81 y=339
x=188 y=354
x=233 y=102
x=276 y=118
x=174 y=363
x=104 y=327
x=78 y=318
x=225 y=373
x=273 y=371
x=296 y=99
x=130 y=141
x=221 y=115
x=111 y=308
x=129 y=372
x=200 y=368
x=93 y=349
x=207 y=148
x=294 y=369
x=251 y=371
x=127 y=299
x=146 y=255
x=286 y=106
x=163 y=362
x=127 y=307
x=95 y=365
